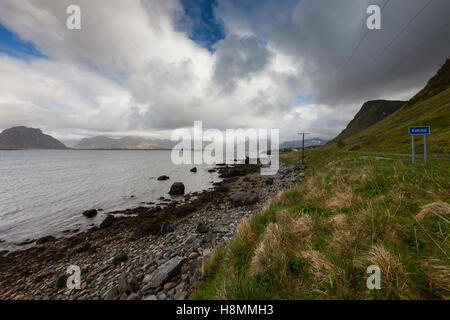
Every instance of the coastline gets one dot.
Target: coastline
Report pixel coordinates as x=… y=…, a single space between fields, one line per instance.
x=121 y=258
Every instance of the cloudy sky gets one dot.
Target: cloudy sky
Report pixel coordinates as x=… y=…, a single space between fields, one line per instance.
x=146 y=67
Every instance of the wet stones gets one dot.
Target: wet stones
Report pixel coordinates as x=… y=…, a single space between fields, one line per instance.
x=194 y=169
x=163 y=178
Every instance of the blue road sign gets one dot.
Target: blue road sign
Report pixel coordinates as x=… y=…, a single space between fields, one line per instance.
x=419 y=130
x=424 y=130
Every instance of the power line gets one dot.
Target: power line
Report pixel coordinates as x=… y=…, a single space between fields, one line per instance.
x=396 y=64
x=398 y=34
x=360 y=42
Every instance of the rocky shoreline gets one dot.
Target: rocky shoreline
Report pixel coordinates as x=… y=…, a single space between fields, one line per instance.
x=149 y=253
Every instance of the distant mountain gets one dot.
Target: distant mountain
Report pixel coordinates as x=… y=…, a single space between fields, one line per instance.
x=101 y=142
x=299 y=143
x=429 y=107
x=28 y=138
x=370 y=113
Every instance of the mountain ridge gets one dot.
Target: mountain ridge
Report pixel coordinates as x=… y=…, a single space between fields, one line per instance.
x=370 y=113
x=22 y=137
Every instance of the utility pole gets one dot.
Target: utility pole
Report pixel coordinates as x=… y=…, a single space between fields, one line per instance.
x=303 y=146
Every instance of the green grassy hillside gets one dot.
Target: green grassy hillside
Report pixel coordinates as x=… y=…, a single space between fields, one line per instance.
x=431 y=106
x=316 y=240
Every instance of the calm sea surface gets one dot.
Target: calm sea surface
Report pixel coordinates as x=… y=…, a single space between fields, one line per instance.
x=44 y=192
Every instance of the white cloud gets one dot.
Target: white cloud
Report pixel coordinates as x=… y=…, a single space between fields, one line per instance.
x=131 y=71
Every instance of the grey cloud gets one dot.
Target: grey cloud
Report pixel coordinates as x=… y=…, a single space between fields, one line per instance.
x=239 y=58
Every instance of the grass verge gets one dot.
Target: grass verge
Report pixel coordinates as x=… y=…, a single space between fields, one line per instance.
x=316 y=240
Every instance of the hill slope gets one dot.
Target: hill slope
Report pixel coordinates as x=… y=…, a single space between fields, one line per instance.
x=124 y=143
x=431 y=106
x=28 y=138
x=371 y=112
x=298 y=143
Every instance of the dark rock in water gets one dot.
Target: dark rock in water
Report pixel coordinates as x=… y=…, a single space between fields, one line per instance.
x=61 y=282
x=146 y=229
x=202 y=227
x=112 y=294
x=269 y=181
x=247 y=160
x=166 y=228
x=177 y=189
x=162 y=178
x=90 y=213
x=211 y=170
x=108 y=222
x=165 y=271
x=194 y=169
x=120 y=258
x=45 y=239
x=243 y=198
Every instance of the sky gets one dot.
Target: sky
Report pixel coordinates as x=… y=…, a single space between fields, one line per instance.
x=147 y=67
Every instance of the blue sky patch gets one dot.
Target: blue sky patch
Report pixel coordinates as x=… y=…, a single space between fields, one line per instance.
x=200 y=23
x=12 y=45
x=305 y=99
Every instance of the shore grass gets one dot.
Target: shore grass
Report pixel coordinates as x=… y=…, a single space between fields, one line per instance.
x=316 y=240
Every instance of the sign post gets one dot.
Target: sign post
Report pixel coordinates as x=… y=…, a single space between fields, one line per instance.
x=413 y=131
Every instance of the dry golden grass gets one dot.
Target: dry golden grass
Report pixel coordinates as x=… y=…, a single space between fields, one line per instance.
x=244 y=231
x=269 y=253
x=296 y=228
x=321 y=268
x=342 y=243
x=393 y=274
x=341 y=200
x=339 y=220
x=289 y=234
x=362 y=175
x=440 y=277
x=439 y=209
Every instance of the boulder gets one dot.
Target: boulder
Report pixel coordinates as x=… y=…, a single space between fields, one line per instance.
x=90 y=213
x=269 y=181
x=177 y=189
x=165 y=271
x=120 y=258
x=112 y=294
x=61 y=282
x=146 y=229
x=45 y=239
x=194 y=169
x=162 y=178
x=166 y=228
x=202 y=227
x=128 y=283
x=243 y=198
x=108 y=222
